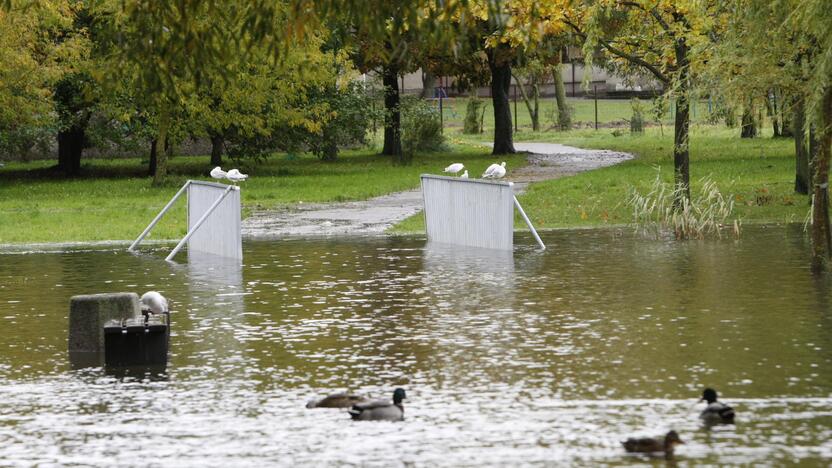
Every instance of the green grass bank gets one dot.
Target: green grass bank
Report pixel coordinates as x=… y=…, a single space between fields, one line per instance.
x=758 y=173
x=114 y=199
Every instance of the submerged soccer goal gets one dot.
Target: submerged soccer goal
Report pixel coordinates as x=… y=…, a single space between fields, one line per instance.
x=214 y=220
x=471 y=212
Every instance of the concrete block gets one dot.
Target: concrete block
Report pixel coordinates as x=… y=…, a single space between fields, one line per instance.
x=87 y=316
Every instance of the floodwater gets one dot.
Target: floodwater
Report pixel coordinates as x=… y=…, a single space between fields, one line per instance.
x=531 y=358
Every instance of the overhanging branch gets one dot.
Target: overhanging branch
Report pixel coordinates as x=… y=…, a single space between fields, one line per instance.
x=653 y=69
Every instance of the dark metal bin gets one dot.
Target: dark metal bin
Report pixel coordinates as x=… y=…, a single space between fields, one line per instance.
x=134 y=342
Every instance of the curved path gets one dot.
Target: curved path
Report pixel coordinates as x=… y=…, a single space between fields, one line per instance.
x=374 y=216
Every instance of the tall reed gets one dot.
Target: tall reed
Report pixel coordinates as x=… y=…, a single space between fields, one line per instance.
x=707 y=213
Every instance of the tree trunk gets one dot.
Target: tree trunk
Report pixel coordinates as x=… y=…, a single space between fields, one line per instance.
x=821 y=236
x=330 y=150
x=392 y=114
x=681 y=133
x=749 y=125
x=428 y=84
x=771 y=108
x=536 y=114
x=532 y=102
x=151 y=167
x=802 y=176
x=564 y=118
x=814 y=146
x=216 y=150
x=71 y=148
x=161 y=156
x=730 y=118
x=786 y=115
x=499 y=63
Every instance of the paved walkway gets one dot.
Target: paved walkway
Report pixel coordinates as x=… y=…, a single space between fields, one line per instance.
x=374 y=216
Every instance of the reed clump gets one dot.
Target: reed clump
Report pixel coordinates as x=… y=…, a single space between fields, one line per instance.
x=663 y=210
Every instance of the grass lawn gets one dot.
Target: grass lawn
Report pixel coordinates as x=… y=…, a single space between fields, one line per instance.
x=758 y=173
x=114 y=199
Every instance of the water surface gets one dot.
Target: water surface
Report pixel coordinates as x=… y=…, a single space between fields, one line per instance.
x=527 y=358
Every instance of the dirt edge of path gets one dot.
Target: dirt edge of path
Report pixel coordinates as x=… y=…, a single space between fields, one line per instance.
x=374 y=216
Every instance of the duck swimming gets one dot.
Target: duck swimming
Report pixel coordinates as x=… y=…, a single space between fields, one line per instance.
x=337 y=400
x=716 y=412
x=380 y=410
x=653 y=445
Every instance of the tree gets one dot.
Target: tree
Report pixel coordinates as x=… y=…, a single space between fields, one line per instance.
x=165 y=48
x=389 y=37
x=778 y=66
x=667 y=39
x=814 y=17
x=564 y=112
x=31 y=63
x=265 y=103
x=76 y=92
x=538 y=64
x=504 y=30
x=534 y=73
x=789 y=44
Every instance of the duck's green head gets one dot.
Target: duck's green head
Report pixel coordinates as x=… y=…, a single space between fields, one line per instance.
x=709 y=395
x=398 y=395
x=671 y=439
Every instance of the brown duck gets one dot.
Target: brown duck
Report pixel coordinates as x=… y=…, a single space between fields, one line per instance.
x=337 y=400
x=653 y=445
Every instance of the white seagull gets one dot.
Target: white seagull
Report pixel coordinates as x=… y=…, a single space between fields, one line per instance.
x=455 y=168
x=218 y=173
x=464 y=175
x=493 y=171
x=236 y=176
x=499 y=171
x=154 y=303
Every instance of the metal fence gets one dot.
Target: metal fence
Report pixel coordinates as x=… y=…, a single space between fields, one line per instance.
x=214 y=220
x=472 y=212
x=220 y=233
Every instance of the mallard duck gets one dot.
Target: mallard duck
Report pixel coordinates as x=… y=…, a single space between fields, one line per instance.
x=337 y=400
x=380 y=410
x=653 y=445
x=716 y=412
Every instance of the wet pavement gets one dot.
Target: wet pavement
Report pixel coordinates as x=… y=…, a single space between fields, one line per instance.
x=374 y=216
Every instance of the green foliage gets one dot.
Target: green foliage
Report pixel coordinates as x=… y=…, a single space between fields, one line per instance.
x=472 y=124
x=637 y=120
x=421 y=126
x=349 y=119
x=31 y=61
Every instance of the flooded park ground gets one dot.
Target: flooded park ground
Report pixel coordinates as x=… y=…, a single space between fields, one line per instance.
x=524 y=358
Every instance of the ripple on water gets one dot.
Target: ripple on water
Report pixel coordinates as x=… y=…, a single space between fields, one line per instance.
x=522 y=359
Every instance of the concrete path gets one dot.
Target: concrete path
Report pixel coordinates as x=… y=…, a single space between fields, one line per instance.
x=374 y=216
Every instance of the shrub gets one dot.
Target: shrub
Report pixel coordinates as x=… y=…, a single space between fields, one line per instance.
x=637 y=121
x=473 y=116
x=327 y=119
x=421 y=126
x=347 y=122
